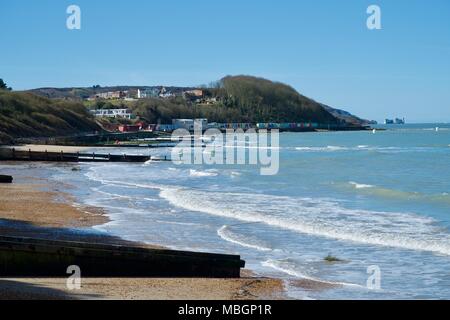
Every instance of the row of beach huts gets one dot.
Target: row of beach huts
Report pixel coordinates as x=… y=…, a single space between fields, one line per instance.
x=192 y=124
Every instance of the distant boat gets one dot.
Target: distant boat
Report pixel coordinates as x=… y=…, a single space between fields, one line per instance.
x=437 y=129
x=374 y=131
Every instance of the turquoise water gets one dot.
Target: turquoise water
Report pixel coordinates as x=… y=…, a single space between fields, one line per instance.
x=369 y=199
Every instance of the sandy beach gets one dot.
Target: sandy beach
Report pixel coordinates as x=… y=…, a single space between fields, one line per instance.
x=28 y=203
x=246 y=288
x=35 y=207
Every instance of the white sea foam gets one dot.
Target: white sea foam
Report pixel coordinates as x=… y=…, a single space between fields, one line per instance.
x=285 y=267
x=361 y=185
x=326 y=149
x=189 y=224
x=319 y=217
x=367 y=189
x=235 y=174
x=206 y=173
x=241 y=240
x=113 y=195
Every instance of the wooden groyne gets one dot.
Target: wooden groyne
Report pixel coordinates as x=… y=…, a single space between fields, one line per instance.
x=16 y=155
x=6 y=179
x=26 y=257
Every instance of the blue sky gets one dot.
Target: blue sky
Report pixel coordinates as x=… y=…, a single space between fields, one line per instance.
x=322 y=48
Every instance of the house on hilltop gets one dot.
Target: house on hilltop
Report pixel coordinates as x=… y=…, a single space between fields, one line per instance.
x=148 y=93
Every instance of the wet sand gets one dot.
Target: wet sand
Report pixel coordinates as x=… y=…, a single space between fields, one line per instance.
x=35 y=207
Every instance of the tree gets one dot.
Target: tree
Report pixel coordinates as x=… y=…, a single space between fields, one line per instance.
x=3 y=85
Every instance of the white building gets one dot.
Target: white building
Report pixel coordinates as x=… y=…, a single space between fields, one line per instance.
x=165 y=94
x=112 y=113
x=111 y=95
x=148 y=93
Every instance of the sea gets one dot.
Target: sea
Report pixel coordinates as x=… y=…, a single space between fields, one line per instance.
x=379 y=202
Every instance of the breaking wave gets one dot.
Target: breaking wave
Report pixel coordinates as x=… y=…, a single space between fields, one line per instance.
x=288 y=268
x=241 y=240
x=318 y=149
x=360 y=185
x=399 y=194
x=319 y=217
x=206 y=173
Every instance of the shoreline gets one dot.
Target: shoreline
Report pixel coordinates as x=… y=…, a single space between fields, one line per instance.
x=55 y=216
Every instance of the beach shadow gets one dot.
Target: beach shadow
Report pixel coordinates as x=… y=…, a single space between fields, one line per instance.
x=15 y=228
x=18 y=290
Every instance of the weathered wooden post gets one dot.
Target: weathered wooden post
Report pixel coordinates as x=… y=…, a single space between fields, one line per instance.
x=29 y=154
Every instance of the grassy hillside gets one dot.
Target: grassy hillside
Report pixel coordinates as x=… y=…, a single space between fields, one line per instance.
x=262 y=100
x=239 y=99
x=27 y=115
